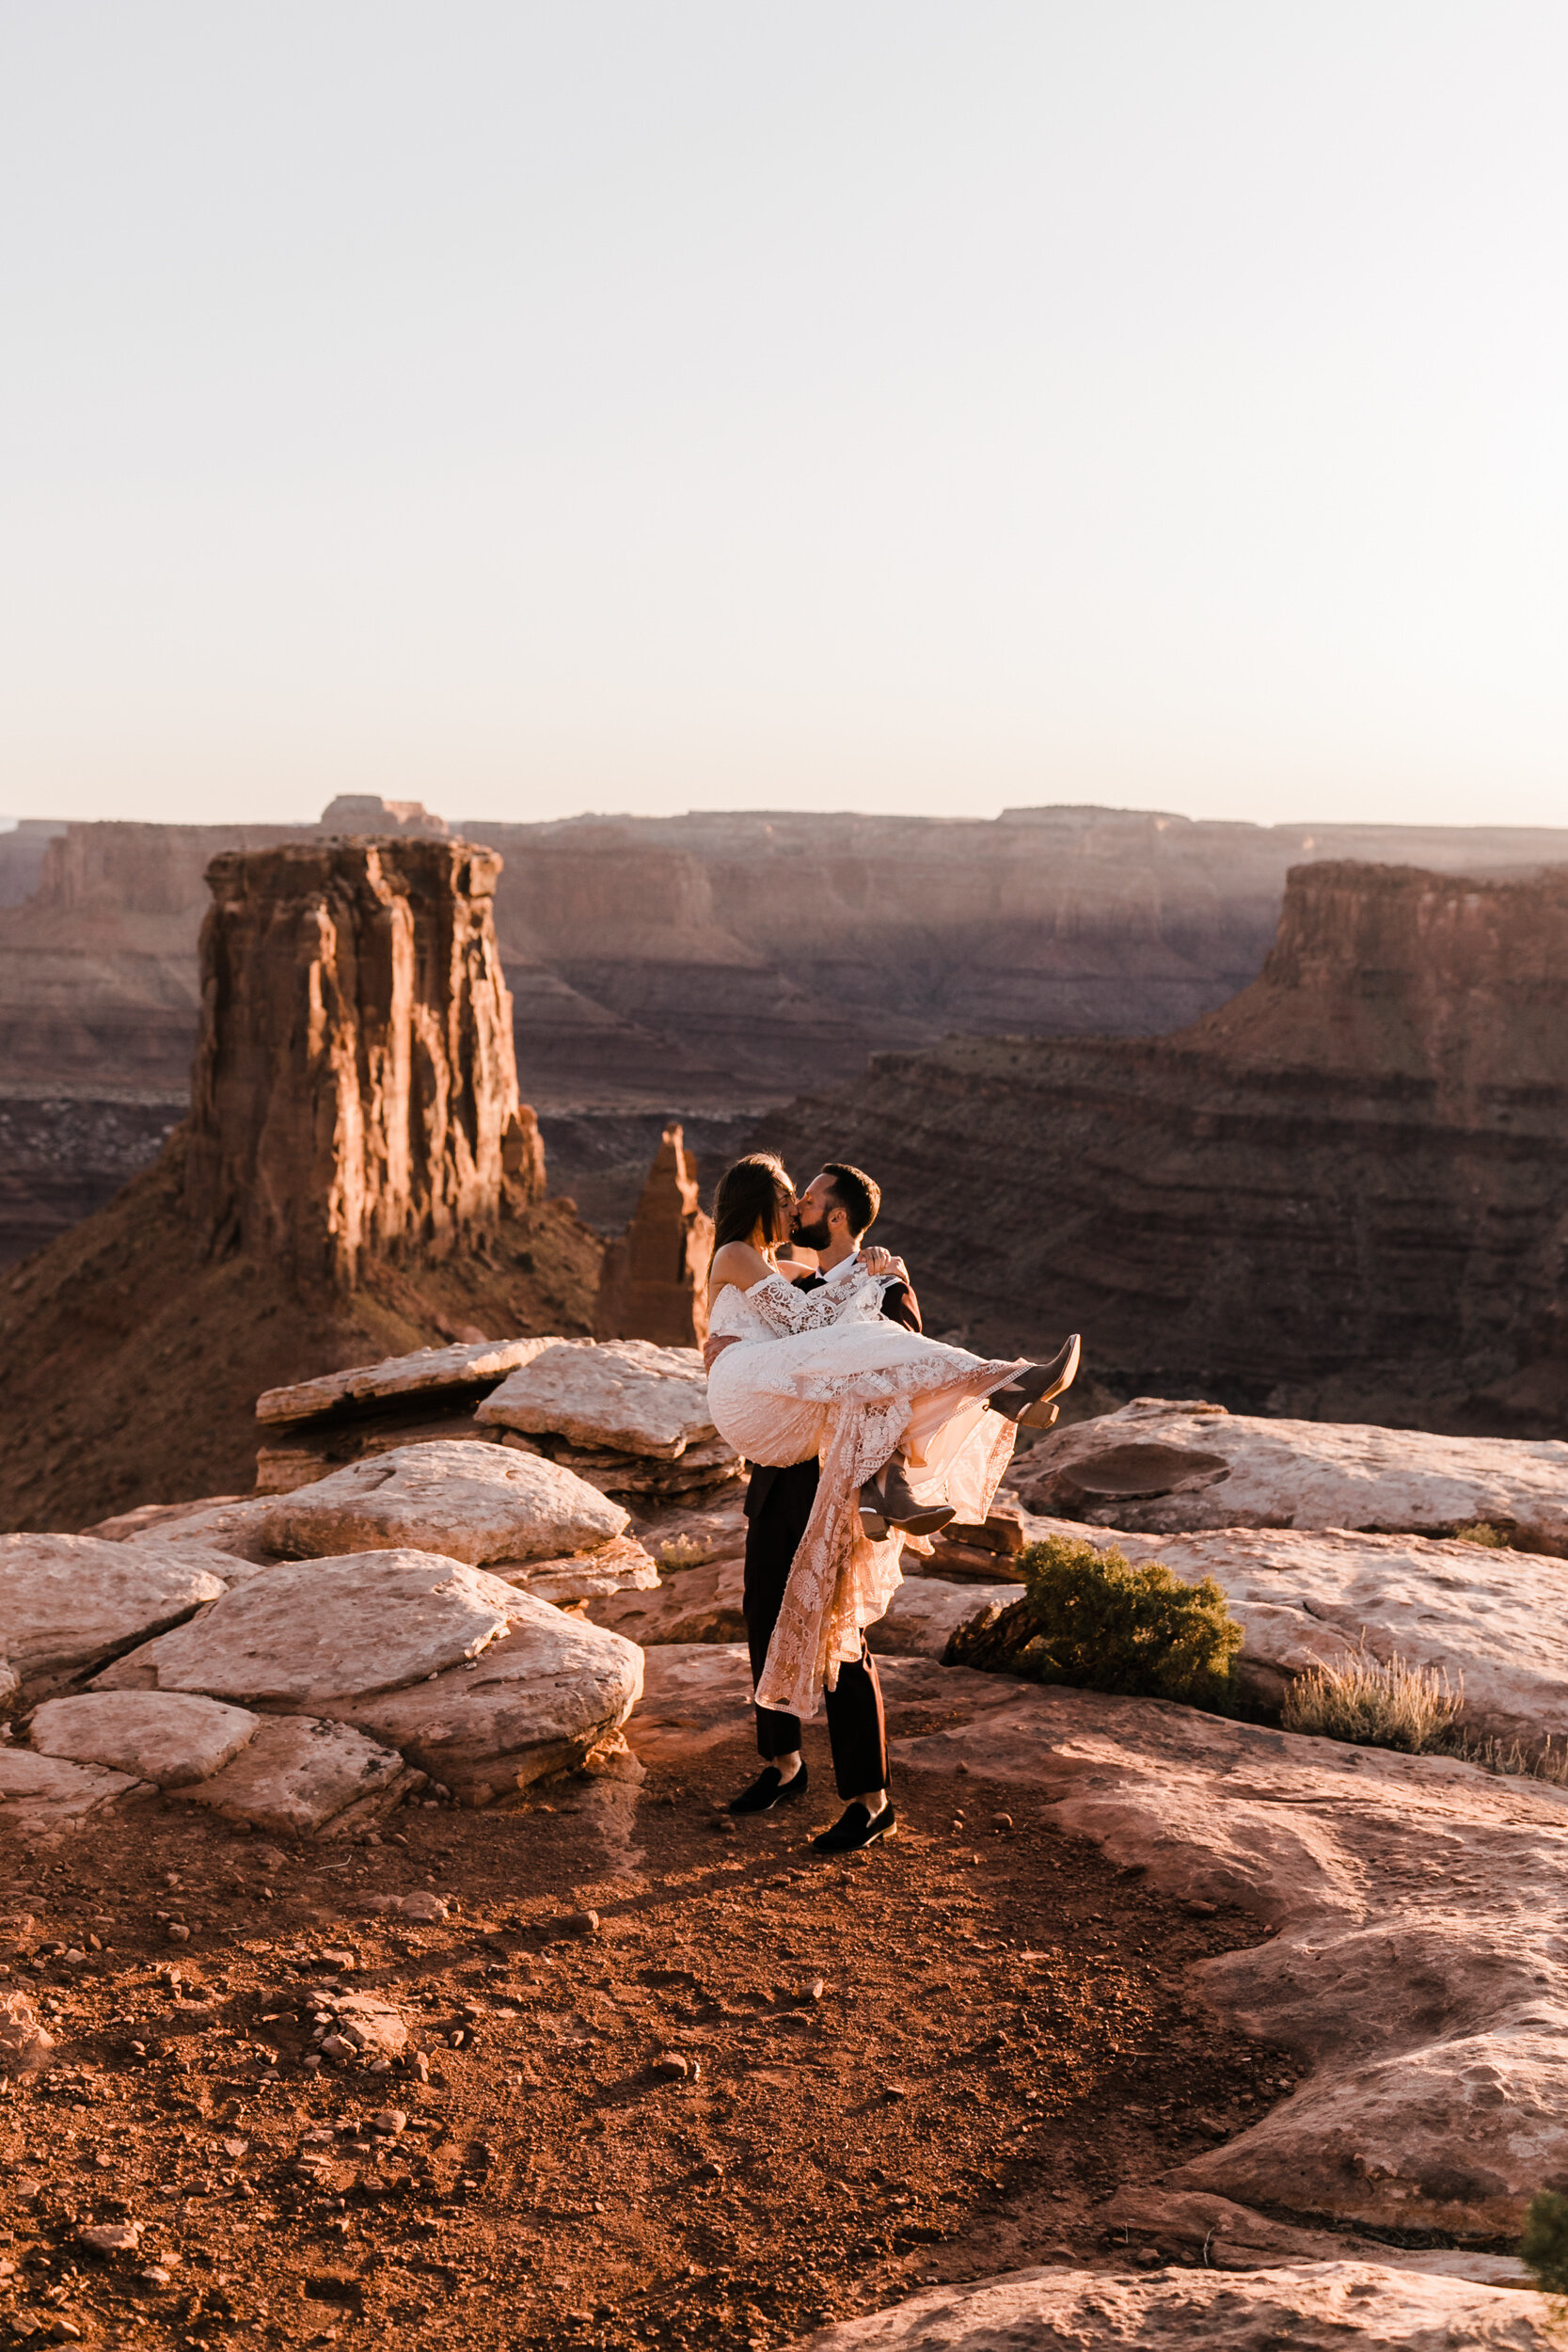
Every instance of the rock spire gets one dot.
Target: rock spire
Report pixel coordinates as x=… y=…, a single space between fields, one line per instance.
x=354 y=1093
x=654 y=1280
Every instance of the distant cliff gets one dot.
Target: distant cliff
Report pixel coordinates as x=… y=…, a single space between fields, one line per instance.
x=712 y=961
x=1344 y=1194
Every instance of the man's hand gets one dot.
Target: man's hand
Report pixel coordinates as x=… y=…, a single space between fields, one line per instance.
x=714 y=1348
x=882 y=1262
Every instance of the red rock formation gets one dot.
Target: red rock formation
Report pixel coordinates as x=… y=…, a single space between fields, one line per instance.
x=353 y=1092
x=1342 y=1195
x=653 y=1281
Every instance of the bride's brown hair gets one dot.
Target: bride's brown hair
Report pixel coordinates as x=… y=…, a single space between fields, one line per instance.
x=755 y=1191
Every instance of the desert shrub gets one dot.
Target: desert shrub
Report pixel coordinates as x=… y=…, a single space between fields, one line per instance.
x=684 y=1551
x=1092 y=1620
x=1481 y=1532
x=1375 y=1703
x=1548 y=1762
x=1544 y=2245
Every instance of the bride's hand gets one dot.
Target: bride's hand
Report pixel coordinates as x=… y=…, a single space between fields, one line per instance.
x=882 y=1262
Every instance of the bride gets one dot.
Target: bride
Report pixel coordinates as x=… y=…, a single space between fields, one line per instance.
x=908 y=1430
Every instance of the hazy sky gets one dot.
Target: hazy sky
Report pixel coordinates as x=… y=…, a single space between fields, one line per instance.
x=658 y=404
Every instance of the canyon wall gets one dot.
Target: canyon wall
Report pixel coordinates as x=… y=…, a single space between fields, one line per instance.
x=1342 y=1195
x=703 y=967
x=353 y=1092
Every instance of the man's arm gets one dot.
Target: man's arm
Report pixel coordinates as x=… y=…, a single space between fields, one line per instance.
x=900 y=1305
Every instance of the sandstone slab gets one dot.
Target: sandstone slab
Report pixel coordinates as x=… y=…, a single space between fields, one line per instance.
x=45 y=1791
x=321 y=1630
x=1417 y=1952
x=308 y=1778
x=429 y=1371
x=168 y=1737
x=621 y=1566
x=538 y=1701
x=230 y=1526
x=68 y=1602
x=702 y=1603
x=926 y=1611
x=1312 y=2307
x=472 y=1503
x=1158 y=1467
x=627 y=1395
x=1497 y=1622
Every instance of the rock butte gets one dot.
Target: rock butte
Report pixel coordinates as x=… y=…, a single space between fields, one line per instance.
x=1339 y=1196
x=653 y=1281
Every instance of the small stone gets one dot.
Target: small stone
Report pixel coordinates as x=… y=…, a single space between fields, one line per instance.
x=176 y=1933
x=815 y=1989
x=389 y=2120
x=421 y=2066
x=153 y=2275
x=1002 y=1821
x=425 y=1911
x=1197 y=1910
x=112 y=2237
x=338 y=2046
x=672 y=2065
x=581 y=1923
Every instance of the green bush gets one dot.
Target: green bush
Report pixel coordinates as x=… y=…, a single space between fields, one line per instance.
x=1544 y=2245
x=1092 y=1620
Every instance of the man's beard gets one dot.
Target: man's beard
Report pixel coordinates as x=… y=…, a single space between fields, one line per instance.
x=817 y=1236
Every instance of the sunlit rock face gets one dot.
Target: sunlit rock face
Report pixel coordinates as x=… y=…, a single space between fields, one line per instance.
x=354 y=1093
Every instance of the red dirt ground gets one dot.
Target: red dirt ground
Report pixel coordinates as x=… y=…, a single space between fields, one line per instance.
x=1000 y=2038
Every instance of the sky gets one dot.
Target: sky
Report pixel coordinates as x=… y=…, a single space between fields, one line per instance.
x=651 y=405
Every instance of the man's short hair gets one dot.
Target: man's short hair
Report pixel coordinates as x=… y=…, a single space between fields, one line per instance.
x=856 y=1193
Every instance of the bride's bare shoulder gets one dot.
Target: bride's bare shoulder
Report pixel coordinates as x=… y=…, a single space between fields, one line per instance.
x=739 y=1264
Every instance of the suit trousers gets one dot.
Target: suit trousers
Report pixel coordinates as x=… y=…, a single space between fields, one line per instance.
x=777 y=1506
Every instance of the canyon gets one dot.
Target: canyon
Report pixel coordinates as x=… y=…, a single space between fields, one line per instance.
x=707 y=966
x=1342 y=1195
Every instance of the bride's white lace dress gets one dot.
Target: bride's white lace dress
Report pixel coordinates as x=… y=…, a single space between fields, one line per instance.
x=825 y=1372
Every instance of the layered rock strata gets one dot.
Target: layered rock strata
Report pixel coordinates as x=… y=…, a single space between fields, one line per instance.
x=653 y=1285
x=1344 y=1195
x=354 y=1093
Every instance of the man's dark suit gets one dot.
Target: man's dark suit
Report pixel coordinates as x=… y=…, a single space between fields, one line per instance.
x=778 y=1504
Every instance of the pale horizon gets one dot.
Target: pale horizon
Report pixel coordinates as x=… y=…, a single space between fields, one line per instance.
x=902 y=410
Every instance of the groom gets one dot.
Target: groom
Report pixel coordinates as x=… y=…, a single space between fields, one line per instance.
x=835 y=1213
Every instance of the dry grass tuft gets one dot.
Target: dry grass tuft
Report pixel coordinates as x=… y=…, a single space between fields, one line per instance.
x=1547 y=1762
x=1482 y=1533
x=1375 y=1704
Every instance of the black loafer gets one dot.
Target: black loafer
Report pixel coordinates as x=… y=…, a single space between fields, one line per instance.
x=767 y=1790
x=855 y=1829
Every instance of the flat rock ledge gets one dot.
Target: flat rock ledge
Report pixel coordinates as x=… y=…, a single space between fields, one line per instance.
x=162 y=1736
x=68 y=1603
x=1312 y=2307
x=625 y=1394
x=428 y=1370
x=1160 y=1466
x=1495 y=1622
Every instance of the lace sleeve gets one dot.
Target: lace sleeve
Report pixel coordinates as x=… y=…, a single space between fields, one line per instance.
x=787 y=1311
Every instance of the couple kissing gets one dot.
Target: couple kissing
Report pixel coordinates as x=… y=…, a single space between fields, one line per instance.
x=861 y=1431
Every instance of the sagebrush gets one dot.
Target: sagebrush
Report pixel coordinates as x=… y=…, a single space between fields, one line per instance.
x=1375 y=1703
x=1093 y=1621
x=1544 y=2245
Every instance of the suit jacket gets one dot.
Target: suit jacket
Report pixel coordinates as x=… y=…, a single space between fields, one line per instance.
x=782 y=1484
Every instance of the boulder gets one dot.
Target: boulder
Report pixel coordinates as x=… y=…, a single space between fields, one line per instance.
x=44 y=1792
x=429 y=1371
x=68 y=1602
x=1312 y=2307
x=538 y=1701
x=472 y=1503
x=1495 y=1621
x=626 y=1394
x=167 y=1737
x=323 y=1629
x=1414 y=1946
x=1157 y=1468
x=621 y=1566
x=308 y=1778
x=222 y=1533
